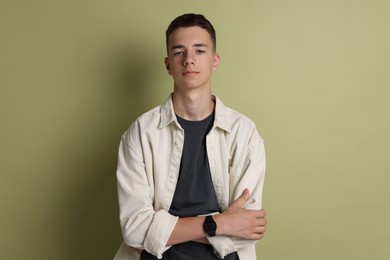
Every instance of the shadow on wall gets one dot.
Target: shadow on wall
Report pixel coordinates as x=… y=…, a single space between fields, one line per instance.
x=122 y=87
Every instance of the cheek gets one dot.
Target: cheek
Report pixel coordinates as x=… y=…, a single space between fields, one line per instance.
x=176 y=68
x=174 y=72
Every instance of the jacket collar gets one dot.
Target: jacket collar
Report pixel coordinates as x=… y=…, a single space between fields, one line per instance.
x=221 y=119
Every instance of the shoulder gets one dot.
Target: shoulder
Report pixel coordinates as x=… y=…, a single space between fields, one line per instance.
x=239 y=119
x=244 y=126
x=147 y=120
x=232 y=120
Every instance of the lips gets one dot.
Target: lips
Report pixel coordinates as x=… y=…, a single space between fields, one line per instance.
x=190 y=73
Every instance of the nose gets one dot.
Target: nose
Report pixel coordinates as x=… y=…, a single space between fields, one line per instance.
x=188 y=60
x=186 y=63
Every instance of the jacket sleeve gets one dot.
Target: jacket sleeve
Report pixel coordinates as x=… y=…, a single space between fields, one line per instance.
x=247 y=172
x=142 y=227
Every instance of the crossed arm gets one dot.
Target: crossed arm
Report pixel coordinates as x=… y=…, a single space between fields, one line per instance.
x=236 y=221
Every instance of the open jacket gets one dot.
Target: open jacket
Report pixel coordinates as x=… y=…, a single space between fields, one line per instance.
x=148 y=170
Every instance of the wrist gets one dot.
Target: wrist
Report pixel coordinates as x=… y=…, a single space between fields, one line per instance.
x=210 y=226
x=220 y=226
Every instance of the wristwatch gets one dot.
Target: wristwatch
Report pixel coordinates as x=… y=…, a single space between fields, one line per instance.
x=210 y=226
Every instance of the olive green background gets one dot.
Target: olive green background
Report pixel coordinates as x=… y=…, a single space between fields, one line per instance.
x=313 y=75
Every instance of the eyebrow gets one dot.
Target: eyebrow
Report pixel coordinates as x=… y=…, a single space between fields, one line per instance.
x=179 y=46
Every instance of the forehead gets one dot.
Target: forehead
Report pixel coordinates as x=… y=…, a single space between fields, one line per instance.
x=188 y=36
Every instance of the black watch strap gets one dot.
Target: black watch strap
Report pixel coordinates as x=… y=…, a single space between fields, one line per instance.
x=209 y=226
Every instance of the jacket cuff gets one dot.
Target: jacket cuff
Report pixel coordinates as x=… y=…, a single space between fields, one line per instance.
x=159 y=232
x=222 y=245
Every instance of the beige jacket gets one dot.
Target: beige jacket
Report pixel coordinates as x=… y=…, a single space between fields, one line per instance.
x=148 y=169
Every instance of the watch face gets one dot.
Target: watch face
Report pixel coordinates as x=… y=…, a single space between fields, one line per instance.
x=209 y=225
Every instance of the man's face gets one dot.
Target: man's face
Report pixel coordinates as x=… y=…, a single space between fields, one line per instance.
x=191 y=59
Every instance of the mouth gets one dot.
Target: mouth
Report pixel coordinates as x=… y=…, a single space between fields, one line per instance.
x=190 y=73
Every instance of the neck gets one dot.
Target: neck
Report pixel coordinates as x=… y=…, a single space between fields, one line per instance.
x=193 y=106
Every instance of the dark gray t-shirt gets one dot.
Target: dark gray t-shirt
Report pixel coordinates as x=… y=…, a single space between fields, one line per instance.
x=194 y=193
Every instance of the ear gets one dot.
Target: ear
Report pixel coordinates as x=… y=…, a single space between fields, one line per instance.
x=217 y=59
x=166 y=61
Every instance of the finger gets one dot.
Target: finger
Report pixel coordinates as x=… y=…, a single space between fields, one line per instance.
x=260 y=236
x=242 y=199
x=256 y=236
x=262 y=222
x=263 y=212
x=259 y=230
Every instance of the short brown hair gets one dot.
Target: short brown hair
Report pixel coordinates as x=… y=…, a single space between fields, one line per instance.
x=190 y=20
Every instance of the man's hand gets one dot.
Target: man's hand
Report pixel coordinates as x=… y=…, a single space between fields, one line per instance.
x=236 y=221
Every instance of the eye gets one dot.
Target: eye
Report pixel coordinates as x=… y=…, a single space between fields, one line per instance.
x=178 y=53
x=200 y=51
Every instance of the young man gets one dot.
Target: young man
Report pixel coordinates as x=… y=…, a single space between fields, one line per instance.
x=191 y=171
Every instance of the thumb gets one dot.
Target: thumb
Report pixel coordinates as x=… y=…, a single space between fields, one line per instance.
x=242 y=199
